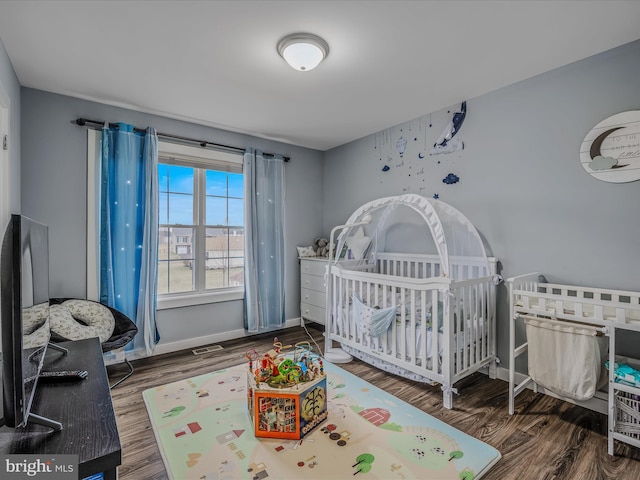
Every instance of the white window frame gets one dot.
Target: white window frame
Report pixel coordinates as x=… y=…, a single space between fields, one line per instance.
x=93 y=214
x=180 y=154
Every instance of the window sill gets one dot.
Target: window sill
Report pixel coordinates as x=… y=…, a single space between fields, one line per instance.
x=188 y=300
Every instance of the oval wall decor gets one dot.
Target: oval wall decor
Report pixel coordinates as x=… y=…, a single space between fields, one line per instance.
x=611 y=150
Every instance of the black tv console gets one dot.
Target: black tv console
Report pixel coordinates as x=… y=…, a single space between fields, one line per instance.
x=83 y=408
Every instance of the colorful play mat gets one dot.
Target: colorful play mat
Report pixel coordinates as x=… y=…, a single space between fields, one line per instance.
x=204 y=432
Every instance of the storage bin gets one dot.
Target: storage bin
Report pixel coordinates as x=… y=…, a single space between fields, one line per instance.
x=627 y=414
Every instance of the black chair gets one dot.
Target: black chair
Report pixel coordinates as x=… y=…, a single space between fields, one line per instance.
x=123 y=333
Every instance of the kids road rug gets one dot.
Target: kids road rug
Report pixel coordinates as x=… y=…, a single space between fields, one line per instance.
x=204 y=431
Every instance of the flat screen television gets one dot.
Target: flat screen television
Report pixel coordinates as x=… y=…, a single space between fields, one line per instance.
x=24 y=297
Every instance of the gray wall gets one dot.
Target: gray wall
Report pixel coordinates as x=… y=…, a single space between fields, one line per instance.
x=54 y=192
x=521 y=182
x=9 y=82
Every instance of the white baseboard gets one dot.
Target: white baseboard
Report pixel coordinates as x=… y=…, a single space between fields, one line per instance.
x=162 y=348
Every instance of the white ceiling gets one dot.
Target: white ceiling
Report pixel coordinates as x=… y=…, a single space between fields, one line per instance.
x=215 y=63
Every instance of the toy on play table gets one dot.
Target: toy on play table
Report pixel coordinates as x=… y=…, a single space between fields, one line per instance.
x=278 y=369
x=286 y=391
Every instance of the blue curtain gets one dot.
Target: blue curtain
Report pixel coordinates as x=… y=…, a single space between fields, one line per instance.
x=129 y=228
x=264 y=242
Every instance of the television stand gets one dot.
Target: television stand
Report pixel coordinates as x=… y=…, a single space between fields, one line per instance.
x=84 y=408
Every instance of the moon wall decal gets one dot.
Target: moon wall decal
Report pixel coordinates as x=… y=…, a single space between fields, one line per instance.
x=603 y=163
x=594 y=151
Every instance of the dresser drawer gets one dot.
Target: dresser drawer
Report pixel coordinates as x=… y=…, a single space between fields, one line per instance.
x=311 y=312
x=313 y=297
x=313 y=267
x=312 y=282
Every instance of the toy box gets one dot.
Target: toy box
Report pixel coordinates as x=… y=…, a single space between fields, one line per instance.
x=287 y=395
x=289 y=413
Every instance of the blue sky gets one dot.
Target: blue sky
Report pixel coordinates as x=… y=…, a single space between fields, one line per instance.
x=176 y=196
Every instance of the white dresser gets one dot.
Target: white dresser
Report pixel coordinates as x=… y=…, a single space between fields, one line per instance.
x=313 y=292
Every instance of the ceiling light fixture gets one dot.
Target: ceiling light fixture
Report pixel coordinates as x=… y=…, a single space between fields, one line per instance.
x=303 y=51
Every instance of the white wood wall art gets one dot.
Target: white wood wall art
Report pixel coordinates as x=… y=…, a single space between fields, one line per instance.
x=611 y=150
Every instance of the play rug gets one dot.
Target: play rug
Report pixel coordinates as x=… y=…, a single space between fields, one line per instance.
x=203 y=429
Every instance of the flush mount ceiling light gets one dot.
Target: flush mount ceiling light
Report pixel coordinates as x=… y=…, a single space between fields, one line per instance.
x=303 y=51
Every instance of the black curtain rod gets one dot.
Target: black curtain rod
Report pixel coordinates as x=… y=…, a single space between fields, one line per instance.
x=203 y=143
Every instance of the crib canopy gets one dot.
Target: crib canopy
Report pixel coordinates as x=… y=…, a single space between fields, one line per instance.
x=413 y=224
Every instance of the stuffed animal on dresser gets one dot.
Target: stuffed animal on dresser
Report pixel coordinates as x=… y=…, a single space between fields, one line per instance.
x=322 y=247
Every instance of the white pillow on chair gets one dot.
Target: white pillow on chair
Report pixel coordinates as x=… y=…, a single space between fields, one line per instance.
x=96 y=320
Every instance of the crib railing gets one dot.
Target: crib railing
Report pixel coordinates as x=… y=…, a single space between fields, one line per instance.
x=474 y=320
x=418 y=266
x=442 y=350
x=411 y=297
x=428 y=266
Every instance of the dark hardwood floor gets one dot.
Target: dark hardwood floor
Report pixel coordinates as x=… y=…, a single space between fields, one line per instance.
x=546 y=439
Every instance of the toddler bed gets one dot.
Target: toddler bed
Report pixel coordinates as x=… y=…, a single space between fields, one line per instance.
x=570 y=332
x=426 y=313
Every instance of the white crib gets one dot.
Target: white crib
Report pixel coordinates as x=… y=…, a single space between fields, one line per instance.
x=610 y=311
x=466 y=339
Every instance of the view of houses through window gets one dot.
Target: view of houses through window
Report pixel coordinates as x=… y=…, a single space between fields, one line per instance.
x=201 y=229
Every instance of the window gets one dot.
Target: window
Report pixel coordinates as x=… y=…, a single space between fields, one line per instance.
x=201 y=224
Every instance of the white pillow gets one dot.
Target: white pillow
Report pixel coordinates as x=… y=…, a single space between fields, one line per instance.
x=98 y=320
x=306 y=252
x=358 y=244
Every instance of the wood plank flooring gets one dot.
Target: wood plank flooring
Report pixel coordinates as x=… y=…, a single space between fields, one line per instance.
x=546 y=439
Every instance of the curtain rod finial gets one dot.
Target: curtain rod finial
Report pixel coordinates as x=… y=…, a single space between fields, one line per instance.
x=81 y=121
